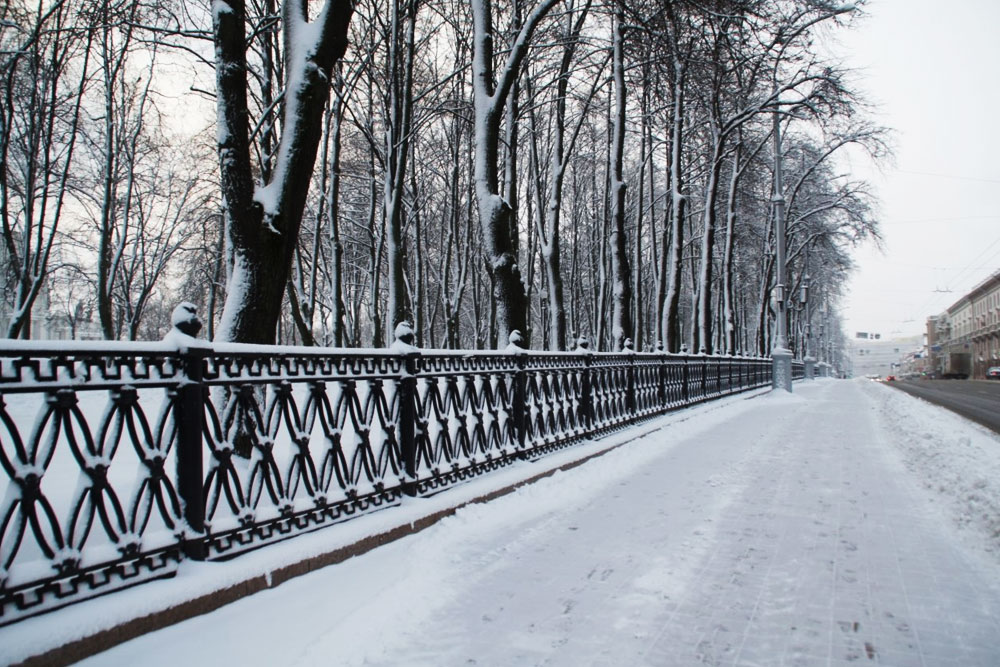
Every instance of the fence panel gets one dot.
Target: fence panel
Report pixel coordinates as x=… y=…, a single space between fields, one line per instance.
x=119 y=460
x=88 y=499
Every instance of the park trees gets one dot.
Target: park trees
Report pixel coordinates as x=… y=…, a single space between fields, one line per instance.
x=563 y=167
x=44 y=65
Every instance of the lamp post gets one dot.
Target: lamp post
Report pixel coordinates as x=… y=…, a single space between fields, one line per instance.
x=781 y=356
x=810 y=362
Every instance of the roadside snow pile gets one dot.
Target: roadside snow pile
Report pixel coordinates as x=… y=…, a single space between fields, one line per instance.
x=957 y=459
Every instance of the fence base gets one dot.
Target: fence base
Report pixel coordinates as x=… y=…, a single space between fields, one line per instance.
x=781 y=377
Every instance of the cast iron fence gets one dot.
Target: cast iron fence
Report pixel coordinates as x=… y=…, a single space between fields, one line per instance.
x=119 y=460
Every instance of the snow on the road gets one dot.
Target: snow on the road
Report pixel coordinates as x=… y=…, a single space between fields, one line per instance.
x=957 y=461
x=845 y=523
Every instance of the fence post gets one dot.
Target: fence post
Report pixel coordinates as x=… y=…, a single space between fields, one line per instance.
x=189 y=419
x=704 y=377
x=686 y=379
x=189 y=416
x=661 y=389
x=586 y=386
x=407 y=396
x=519 y=390
x=630 y=399
x=519 y=402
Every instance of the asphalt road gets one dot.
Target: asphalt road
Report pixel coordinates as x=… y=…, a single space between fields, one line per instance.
x=978 y=400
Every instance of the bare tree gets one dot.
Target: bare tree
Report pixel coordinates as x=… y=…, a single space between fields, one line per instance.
x=490 y=95
x=263 y=219
x=621 y=279
x=44 y=71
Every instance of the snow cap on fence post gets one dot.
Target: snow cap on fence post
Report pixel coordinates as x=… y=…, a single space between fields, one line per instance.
x=185 y=319
x=514 y=341
x=582 y=344
x=186 y=326
x=628 y=346
x=404 y=339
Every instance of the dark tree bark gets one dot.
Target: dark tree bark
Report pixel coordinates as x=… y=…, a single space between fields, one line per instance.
x=263 y=221
x=491 y=91
x=621 y=279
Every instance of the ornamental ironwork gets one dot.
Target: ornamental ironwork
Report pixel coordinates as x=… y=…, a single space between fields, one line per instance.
x=117 y=461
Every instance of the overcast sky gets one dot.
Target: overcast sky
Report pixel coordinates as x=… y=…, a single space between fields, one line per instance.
x=934 y=71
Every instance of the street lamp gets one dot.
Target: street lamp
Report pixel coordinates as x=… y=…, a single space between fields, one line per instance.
x=781 y=356
x=810 y=363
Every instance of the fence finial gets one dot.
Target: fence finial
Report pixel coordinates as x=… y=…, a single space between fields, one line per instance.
x=515 y=341
x=185 y=319
x=404 y=332
x=405 y=337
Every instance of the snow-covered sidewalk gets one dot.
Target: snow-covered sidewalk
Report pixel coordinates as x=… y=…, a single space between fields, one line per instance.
x=845 y=523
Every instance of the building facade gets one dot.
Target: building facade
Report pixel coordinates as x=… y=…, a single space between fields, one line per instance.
x=883 y=357
x=984 y=329
x=967 y=335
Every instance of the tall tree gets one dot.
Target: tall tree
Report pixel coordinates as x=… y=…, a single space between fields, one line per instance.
x=548 y=209
x=621 y=279
x=673 y=236
x=399 y=113
x=491 y=89
x=263 y=219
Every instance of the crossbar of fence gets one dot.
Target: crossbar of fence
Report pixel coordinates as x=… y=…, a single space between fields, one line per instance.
x=117 y=461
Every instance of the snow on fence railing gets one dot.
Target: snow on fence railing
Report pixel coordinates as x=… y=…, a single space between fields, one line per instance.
x=120 y=460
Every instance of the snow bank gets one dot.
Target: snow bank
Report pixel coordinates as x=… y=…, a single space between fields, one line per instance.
x=955 y=459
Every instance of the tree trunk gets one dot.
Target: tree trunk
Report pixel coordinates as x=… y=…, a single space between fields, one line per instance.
x=704 y=314
x=263 y=223
x=728 y=309
x=334 y=122
x=495 y=214
x=670 y=325
x=397 y=145
x=621 y=323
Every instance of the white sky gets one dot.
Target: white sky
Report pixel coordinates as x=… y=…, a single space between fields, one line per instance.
x=933 y=71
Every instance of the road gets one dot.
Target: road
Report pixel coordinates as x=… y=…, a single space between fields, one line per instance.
x=978 y=400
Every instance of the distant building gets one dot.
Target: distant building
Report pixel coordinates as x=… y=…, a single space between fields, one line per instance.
x=967 y=331
x=985 y=327
x=872 y=354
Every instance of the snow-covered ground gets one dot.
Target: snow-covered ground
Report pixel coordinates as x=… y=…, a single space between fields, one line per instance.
x=846 y=523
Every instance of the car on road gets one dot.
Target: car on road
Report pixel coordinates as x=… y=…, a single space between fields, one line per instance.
x=993 y=373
